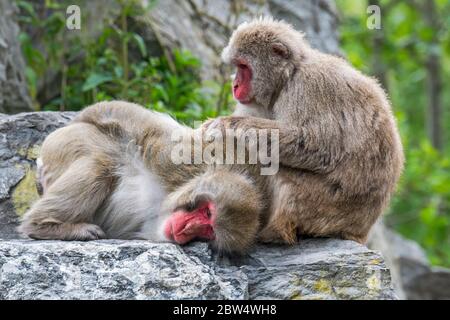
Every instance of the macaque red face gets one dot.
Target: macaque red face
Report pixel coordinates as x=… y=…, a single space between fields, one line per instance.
x=211 y=207
x=184 y=226
x=242 y=81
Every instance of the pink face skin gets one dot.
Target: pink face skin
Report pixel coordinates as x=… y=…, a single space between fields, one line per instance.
x=242 y=82
x=183 y=226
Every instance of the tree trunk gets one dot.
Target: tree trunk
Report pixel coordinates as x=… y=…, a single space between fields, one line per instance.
x=434 y=81
x=378 y=66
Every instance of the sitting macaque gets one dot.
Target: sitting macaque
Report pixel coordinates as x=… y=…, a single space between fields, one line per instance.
x=340 y=151
x=109 y=174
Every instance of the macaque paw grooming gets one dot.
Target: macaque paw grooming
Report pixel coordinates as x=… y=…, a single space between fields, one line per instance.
x=239 y=123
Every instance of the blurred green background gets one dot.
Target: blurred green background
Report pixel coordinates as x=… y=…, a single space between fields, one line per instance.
x=410 y=56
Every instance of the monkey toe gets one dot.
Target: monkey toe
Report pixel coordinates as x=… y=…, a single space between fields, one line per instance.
x=87 y=232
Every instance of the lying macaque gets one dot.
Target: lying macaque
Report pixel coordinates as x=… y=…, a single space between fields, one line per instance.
x=109 y=174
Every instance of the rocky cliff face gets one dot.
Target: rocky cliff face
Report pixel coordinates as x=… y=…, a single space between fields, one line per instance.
x=14 y=95
x=315 y=269
x=20 y=139
x=202 y=27
x=413 y=276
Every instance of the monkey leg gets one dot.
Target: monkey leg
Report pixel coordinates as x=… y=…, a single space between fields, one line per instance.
x=281 y=229
x=56 y=230
x=287 y=225
x=270 y=234
x=66 y=210
x=281 y=226
x=360 y=239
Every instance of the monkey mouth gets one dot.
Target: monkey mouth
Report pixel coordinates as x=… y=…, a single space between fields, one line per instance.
x=183 y=227
x=194 y=230
x=242 y=82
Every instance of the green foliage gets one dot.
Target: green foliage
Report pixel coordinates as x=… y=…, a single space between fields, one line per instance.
x=421 y=208
x=116 y=65
x=50 y=30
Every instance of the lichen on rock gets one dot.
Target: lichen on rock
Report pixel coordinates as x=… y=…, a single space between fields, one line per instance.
x=25 y=192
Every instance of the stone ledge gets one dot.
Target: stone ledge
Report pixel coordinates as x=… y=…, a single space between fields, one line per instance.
x=111 y=269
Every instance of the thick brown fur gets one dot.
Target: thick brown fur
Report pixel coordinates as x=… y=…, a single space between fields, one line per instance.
x=94 y=173
x=340 y=150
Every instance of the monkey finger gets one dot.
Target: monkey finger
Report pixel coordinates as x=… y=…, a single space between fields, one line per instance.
x=205 y=125
x=214 y=127
x=88 y=232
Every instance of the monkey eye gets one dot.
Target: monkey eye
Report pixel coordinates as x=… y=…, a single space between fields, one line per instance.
x=208 y=212
x=190 y=206
x=242 y=66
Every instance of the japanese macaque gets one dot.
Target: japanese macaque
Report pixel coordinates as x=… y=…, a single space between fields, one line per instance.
x=340 y=151
x=109 y=174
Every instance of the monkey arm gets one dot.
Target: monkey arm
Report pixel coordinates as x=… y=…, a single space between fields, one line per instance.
x=299 y=147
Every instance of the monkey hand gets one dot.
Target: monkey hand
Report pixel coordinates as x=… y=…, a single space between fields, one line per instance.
x=205 y=125
x=221 y=123
x=239 y=124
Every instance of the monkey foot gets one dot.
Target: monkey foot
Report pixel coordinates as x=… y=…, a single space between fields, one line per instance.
x=86 y=232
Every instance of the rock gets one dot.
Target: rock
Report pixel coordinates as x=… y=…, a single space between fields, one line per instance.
x=14 y=96
x=317 y=269
x=202 y=27
x=20 y=139
x=317 y=19
x=111 y=269
x=412 y=275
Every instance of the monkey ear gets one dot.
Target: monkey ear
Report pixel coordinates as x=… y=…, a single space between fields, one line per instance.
x=281 y=50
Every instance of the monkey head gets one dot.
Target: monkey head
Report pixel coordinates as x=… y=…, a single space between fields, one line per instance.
x=222 y=208
x=264 y=52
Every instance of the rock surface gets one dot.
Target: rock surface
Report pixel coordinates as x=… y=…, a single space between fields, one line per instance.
x=203 y=27
x=14 y=96
x=20 y=139
x=314 y=269
x=412 y=274
x=200 y=26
